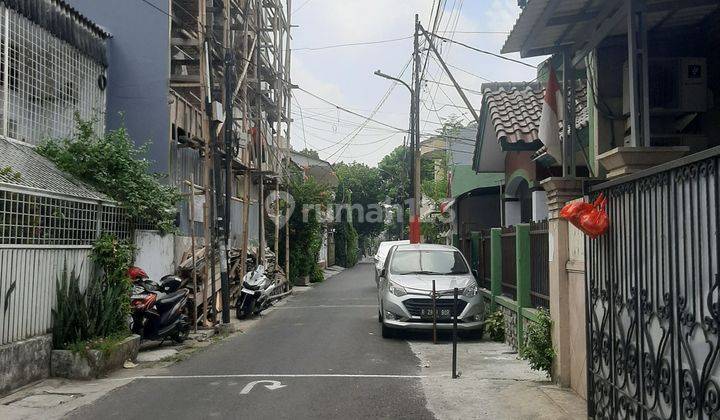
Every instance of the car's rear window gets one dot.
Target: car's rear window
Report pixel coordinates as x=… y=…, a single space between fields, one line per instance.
x=428 y=262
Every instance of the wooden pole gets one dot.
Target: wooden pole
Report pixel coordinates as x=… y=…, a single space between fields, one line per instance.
x=278 y=37
x=192 y=248
x=288 y=94
x=206 y=171
x=246 y=157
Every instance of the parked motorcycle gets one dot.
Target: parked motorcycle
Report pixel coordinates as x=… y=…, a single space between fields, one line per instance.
x=158 y=307
x=255 y=293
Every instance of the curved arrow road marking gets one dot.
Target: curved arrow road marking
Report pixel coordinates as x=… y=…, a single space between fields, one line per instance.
x=271 y=385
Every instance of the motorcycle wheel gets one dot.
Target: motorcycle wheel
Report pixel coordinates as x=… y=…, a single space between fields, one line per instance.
x=181 y=335
x=245 y=307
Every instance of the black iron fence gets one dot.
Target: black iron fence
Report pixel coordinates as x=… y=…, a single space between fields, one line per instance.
x=653 y=294
x=509 y=285
x=539 y=265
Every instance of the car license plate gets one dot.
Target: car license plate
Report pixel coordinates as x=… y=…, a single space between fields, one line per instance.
x=441 y=313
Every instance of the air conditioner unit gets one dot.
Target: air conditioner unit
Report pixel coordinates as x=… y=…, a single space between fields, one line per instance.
x=676 y=85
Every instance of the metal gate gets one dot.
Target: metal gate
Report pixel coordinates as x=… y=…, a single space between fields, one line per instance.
x=652 y=290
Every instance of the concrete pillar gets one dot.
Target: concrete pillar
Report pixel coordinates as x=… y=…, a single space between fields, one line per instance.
x=539 y=205
x=512 y=211
x=560 y=191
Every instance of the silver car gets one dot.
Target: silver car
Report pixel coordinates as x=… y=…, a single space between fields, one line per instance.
x=381 y=254
x=405 y=290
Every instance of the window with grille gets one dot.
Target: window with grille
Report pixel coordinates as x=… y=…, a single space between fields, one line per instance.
x=44 y=81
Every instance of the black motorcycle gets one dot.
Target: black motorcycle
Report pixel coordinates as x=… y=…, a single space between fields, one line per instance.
x=159 y=308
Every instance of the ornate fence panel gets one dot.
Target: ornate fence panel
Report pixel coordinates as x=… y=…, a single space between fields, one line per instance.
x=652 y=291
x=539 y=265
x=509 y=285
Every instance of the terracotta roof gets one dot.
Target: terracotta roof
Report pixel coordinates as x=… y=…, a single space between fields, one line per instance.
x=515 y=108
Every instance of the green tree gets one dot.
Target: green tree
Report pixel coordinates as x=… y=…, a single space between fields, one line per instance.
x=310 y=152
x=306 y=228
x=363 y=184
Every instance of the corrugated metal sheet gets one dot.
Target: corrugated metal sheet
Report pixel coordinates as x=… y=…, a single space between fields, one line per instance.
x=39 y=173
x=27 y=287
x=547 y=36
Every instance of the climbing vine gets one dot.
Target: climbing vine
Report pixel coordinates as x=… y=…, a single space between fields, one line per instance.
x=113 y=164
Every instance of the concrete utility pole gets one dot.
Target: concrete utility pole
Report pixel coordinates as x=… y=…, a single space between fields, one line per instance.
x=417 y=197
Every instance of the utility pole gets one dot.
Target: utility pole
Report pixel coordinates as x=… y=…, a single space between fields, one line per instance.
x=224 y=225
x=452 y=78
x=415 y=139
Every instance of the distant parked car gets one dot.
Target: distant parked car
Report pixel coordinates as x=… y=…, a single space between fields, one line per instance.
x=405 y=290
x=379 y=257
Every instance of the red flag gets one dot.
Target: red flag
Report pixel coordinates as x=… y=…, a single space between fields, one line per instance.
x=549 y=131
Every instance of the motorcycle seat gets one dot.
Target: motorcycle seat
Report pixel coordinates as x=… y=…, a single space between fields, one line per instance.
x=172 y=298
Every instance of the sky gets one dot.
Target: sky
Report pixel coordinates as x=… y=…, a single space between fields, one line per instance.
x=344 y=75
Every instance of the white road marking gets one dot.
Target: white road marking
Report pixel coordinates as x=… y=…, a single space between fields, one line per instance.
x=271 y=385
x=279 y=375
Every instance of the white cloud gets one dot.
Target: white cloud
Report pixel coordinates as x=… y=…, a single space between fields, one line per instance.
x=345 y=75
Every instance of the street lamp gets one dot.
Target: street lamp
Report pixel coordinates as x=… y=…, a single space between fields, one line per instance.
x=415 y=146
x=387 y=76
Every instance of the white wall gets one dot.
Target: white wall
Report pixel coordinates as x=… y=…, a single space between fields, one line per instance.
x=155 y=253
x=512 y=213
x=539 y=205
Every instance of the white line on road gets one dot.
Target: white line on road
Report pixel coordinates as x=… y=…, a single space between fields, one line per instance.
x=280 y=375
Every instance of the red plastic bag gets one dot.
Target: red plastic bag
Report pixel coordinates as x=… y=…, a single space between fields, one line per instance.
x=573 y=212
x=595 y=222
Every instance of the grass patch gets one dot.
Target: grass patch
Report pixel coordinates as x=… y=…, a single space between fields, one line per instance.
x=102 y=344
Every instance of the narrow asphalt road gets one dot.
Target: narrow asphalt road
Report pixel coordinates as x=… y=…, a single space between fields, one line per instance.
x=323 y=346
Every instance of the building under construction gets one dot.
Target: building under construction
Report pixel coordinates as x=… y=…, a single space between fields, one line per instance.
x=207 y=81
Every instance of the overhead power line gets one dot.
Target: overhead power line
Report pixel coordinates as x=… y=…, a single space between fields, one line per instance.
x=477 y=92
x=480 y=50
x=341 y=108
x=352 y=44
x=477 y=32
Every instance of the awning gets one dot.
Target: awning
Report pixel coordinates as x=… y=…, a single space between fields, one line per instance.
x=546 y=26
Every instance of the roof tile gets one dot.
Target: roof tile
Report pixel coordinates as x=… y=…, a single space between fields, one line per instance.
x=515 y=109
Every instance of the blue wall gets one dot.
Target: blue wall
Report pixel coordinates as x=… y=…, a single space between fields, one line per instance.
x=138 y=55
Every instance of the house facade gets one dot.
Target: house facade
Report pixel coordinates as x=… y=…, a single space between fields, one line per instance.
x=647 y=344
x=54 y=65
x=157 y=90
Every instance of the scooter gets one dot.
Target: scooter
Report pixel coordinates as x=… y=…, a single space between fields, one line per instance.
x=255 y=293
x=158 y=308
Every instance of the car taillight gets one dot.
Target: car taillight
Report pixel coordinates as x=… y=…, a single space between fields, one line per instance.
x=144 y=303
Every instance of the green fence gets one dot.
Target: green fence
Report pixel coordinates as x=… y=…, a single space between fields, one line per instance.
x=517 y=309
